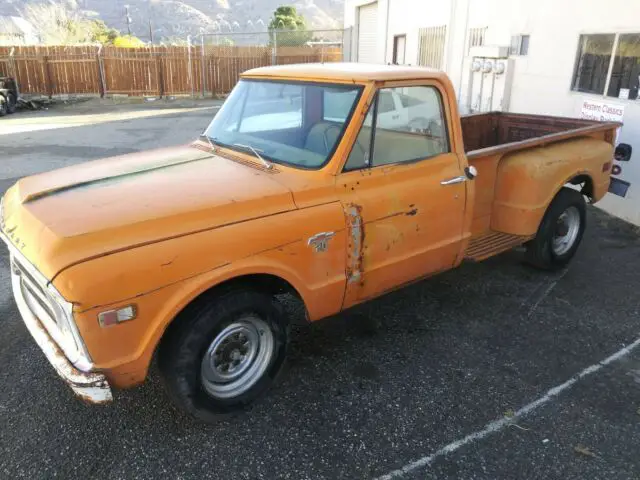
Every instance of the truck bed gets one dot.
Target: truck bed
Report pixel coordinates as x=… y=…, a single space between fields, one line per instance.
x=517 y=179
x=499 y=132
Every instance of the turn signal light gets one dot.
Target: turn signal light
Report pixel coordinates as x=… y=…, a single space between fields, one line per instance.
x=113 y=317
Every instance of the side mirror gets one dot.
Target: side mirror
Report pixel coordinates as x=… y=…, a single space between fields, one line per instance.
x=471 y=172
x=623 y=152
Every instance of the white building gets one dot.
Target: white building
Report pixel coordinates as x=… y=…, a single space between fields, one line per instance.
x=569 y=58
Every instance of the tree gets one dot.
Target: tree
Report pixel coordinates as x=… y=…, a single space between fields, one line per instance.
x=103 y=34
x=288 y=28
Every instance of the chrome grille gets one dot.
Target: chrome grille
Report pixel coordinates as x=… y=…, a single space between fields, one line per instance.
x=32 y=293
x=40 y=304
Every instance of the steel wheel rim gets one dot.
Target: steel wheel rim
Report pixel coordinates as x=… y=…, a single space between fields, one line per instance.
x=237 y=357
x=567 y=230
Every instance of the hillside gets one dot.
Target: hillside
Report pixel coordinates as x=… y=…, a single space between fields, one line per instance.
x=178 y=18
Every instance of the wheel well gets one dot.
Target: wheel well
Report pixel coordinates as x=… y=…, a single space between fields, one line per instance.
x=271 y=284
x=587 y=184
x=266 y=283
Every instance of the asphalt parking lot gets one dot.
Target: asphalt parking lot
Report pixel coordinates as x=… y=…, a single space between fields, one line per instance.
x=494 y=370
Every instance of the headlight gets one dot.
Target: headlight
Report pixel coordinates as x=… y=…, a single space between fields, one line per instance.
x=67 y=325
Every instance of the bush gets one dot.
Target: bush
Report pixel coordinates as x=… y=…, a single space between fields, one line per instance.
x=128 y=41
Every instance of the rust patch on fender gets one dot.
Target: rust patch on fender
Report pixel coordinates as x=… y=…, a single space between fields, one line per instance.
x=412 y=212
x=355 y=252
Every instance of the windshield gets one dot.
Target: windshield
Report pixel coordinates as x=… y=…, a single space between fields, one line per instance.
x=293 y=123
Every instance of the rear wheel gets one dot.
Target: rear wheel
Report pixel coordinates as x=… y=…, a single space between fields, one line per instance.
x=224 y=353
x=560 y=231
x=11 y=103
x=3 y=106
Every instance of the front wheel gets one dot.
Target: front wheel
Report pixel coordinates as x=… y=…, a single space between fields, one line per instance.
x=560 y=231
x=224 y=353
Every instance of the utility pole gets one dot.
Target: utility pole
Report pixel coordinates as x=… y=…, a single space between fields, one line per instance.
x=127 y=19
x=150 y=32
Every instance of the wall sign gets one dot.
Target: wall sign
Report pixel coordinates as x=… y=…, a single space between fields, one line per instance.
x=602 y=111
x=609 y=112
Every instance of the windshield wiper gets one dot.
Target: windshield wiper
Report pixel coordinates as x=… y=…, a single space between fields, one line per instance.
x=266 y=164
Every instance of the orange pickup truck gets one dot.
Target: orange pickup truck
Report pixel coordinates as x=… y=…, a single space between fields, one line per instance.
x=335 y=183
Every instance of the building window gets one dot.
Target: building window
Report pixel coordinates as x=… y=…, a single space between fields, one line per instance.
x=399 y=49
x=476 y=37
x=519 y=45
x=431 y=46
x=596 y=58
x=626 y=68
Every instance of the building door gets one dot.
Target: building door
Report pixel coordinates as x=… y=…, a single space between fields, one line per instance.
x=399 y=49
x=368 y=33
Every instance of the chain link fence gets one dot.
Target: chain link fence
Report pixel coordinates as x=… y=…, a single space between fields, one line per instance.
x=330 y=45
x=226 y=55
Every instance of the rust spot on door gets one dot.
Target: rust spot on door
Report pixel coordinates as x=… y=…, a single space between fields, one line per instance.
x=355 y=226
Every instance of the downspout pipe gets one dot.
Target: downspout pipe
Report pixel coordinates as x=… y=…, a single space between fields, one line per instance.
x=463 y=54
x=386 y=32
x=450 y=33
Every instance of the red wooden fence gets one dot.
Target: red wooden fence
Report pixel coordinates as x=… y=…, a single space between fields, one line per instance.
x=148 y=71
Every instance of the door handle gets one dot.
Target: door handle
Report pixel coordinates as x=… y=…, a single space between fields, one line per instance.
x=454 y=180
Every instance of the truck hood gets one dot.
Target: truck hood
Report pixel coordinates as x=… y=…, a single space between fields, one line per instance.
x=61 y=218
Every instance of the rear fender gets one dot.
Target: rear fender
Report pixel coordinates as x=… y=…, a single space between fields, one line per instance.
x=527 y=181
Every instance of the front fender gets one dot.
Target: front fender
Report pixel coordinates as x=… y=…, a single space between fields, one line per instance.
x=161 y=279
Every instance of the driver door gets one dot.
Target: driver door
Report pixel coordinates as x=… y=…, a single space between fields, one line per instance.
x=404 y=196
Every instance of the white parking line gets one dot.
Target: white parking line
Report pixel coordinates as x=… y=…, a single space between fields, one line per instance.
x=503 y=422
x=550 y=286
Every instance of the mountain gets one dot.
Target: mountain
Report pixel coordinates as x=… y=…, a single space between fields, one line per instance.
x=179 y=18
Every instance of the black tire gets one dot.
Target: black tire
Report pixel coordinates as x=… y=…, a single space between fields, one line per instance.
x=540 y=250
x=11 y=103
x=3 y=106
x=193 y=334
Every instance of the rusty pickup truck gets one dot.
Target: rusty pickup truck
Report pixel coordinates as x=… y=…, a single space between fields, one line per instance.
x=335 y=183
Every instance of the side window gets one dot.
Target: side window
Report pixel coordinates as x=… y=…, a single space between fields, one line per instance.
x=415 y=131
x=386 y=102
x=360 y=156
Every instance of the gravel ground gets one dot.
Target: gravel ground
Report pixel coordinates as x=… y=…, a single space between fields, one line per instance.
x=386 y=386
